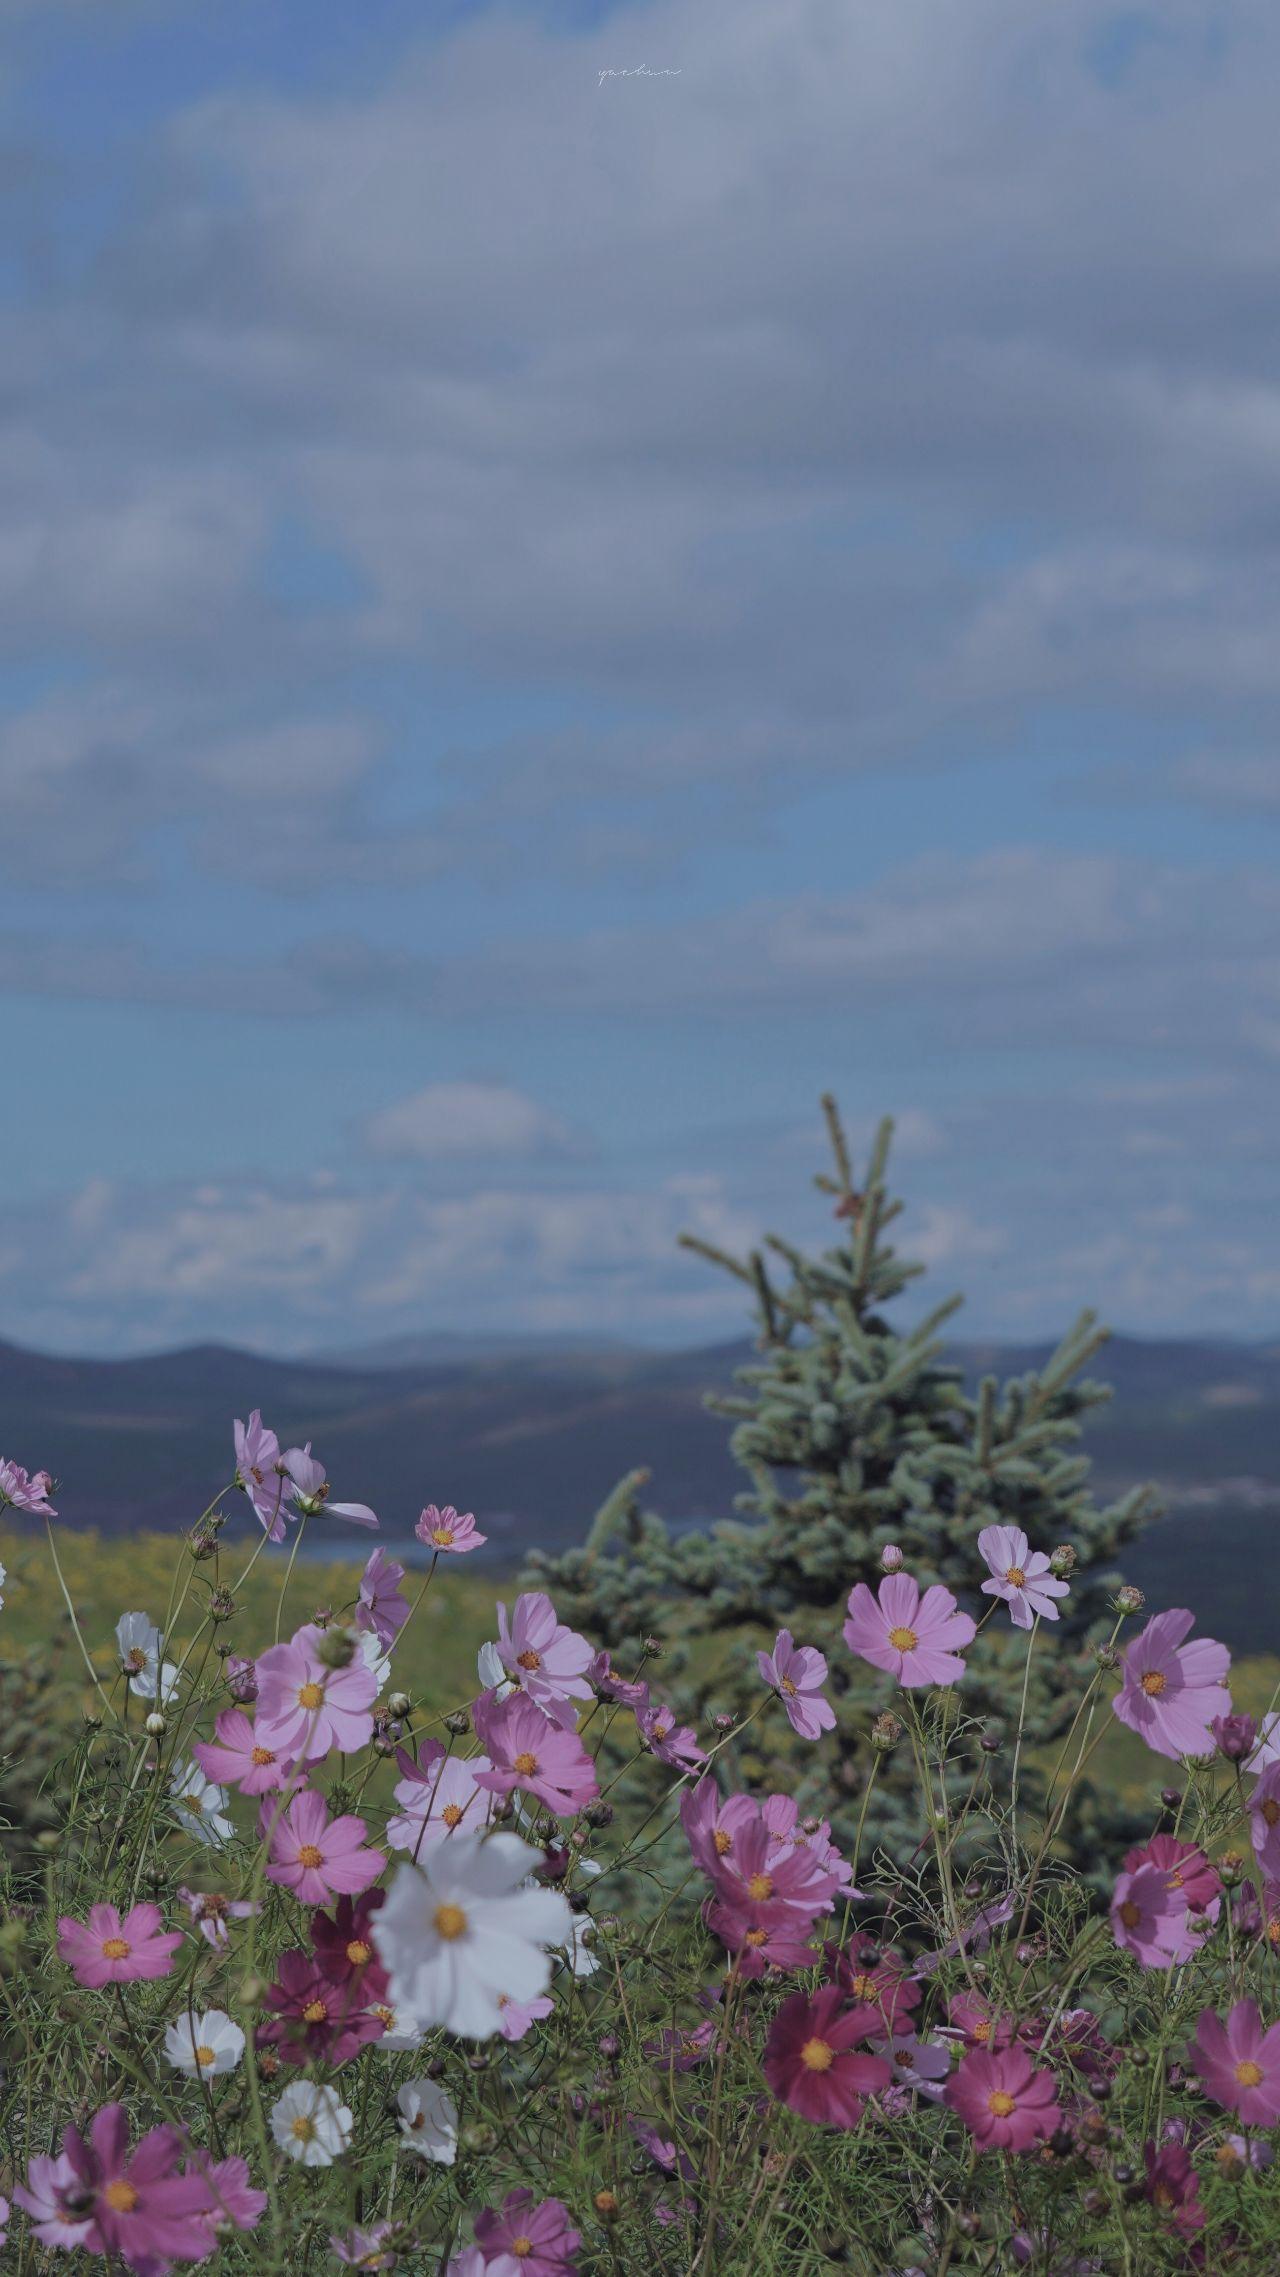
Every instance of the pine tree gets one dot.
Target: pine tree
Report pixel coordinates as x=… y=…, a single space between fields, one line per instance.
x=854 y=1436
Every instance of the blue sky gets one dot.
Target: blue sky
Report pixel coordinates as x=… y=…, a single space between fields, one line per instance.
x=548 y=618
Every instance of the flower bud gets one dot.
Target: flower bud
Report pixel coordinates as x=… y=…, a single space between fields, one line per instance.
x=891 y=1558
x=1106 y=1656
x=654 y=1648
x=92 y=1719
x=336 y=1649
x=1062 y=1562
x=384 y=1744
x=991 y=1743
x=222 y=1605
x=608 y=2044
x=1237 y=1736
x=399 y=1704
x=1171 y=1797
x=202 y=1541
x=599 y=1814
x=886 y=1731
x=268 y=2064
x=1229 y=2163
x=1129 y=1600
x=722 y=1722
x=459 y=1723
x=478 y=2060
x=242 y=1680
x=476 y=2138
x=156 y=1725
x=1231 y=1868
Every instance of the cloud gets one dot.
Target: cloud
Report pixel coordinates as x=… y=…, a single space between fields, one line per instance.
x=446 y=1122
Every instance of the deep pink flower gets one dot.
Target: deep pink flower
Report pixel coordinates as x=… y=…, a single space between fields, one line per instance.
x=541 y=2238
x=18 y=1491
x=915 y=1638
x=781 y=1814
x=212 y=1910
x=305 y=1708
x=756 y=1873
x=797 y=1674
x=878 y=1982
x=260 y=1472
x=311 y=1490
x=762 y=1937
x=1189 y=1873
x=1264 y=1820
x=109 y=1950
x=633 y=1692
x=1170 y=1690
x=380 y=1606
x=436 y=1794
x=811 y=2063
x=674 y=1744
x=318 y=1857
x=542 y=1656
x=1020 y=1575
x=981 y=2025
x=343 y=1942
x=448 y=1530
x=238 y=1757
x=315 y=2017
x=1003 y=2100
x=527 y=1750
x=520 y=2016
x=1239 y=2062
x=1174 y=2186
x=713 y=1822
x=112 y=2199
x=236 y=2204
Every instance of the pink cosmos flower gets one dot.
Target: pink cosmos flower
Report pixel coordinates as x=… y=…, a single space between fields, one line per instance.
x=380 y=1606
x=315 y=2017
x=520 y=2016
x=674 y=1744
x=1264 y=1821
x=913 y=1637
x=343 y=1943
x=877 y=1981
x=527 y=1750
x=448 y=1531
x=1239 y=2062
x=1174 y=2186
x=1170 y=1691
x=436 y=1794
x=317 y=1857
x=797 y=1674
x=212 y=1911
x=304 y=1708
x=712 y=1822
x=238 y=1756
x=311 y=1490
x=20 y=1492
x=1150 y=1920
x=757 y=1872
x=129 y=2203
x=781 y=1814
x=540 y=2238
x=1191 y=1878
x=109 y=1950
x=1020 y=1575
x=1003 y=2100
x=542 y=1656
x=236 y=2204
x=371 y=2248
x=812 y=2065
x=632 y=1692
x=260 y=1472
x=981 y=2026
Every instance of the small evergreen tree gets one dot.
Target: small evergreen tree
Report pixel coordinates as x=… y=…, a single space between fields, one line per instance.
x=855 y=1436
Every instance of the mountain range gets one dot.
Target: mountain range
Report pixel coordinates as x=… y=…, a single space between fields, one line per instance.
x=532 y=1436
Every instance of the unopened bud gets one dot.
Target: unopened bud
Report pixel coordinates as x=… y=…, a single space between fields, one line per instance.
x=156 y=1725
x=92 y=1719
x=891 y=1558
x=1129 y=1599
x=1106 y=1656
x=478 y=2060
x=722 y=1722
x=1171 y=1797
x=268 y=2064
x=476 y=2138
x=886 y=1731
x=222 y=1605
x=458 y=1722
x=654 y=1648
x=336 y=1649
x=991 y=1743
x=242 y=1680
x=1231 y=1868
x=384 y=1744
x=599 y=1814
x=399 y=1704
x=1062 y=1561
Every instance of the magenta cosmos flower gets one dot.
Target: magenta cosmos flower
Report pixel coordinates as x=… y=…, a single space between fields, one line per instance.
x=106 y=1949
x=304 y=1708
x=1003 y=2100
x=1171 y=1691
x=1239 y=2062
x=1020 y=1575
x=797 y=1674
x=449 y=1531
x=781 y=1814
x=812 y=2064
x=130 y=2203
x=540 y=2238
x=311 y=1490
x=527 y=1750
x=19 y=1491
x=314 y=2017
x=542 y=1656
x=674 y=1744
x=1174 y=2186
x=380 y=1606
x=260 y=1472
x=318 y=1857
x=915 y=1638
x=633 y=1692
x=238 y=1756
x=1264 y=1821
x=1149 y=1921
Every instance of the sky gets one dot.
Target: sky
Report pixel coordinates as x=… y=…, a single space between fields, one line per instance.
x=574 y=576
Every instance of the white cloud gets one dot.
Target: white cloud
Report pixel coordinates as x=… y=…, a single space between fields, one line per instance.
x=462 y=1121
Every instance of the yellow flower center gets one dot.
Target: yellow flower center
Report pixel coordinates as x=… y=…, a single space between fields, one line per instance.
x=1270 y=1810
x=723 y=1843
x=981 y=2032
x=116 y=1949
x=315 y=2012
x=205 y=2055
x=1001 y=2104
x=450 y=1922
x=760 y=1886
x=386 y=2016
x=903 y=1640
x=1154 y=1683
x=1130 y=1914
x=261 y=1756
x=311 y=1696
x=756 y=1937
x=1015 y=1574
x=451 y=1813
x=136 y=1659
x=1249 y=2073
x=302 y=2129
x=529 y=1660
x=525 y=1763
x=817 y=2055
x=788 y=1687
x=310 y=1857
x=442 y=1536
x=522 y=2247
x=358 y=1952
x=121 y=2197
x=864 y=1988
x=1273 y=1930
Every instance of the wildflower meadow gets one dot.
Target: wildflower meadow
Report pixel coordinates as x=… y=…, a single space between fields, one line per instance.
x=619 y=1961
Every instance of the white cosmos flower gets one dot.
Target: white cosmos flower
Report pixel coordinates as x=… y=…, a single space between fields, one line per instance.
x=310 y=2123
x=428 y=2121
x=582 y=1960
x=369 y=1650
x=403 y=2030
x=458 y=1929
x=199 y=1805
x=204 y=2046
x=140 y=1644
x=492 y=1674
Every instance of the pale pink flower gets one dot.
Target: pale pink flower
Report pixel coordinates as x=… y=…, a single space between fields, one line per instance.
x=380 y=1607
x=781 y=1814
x=520 y=2016
x=305 y=1708
x=1020 y=1575
x=449 y=1531
x=1171 y=1691
x=1264 y=1821
x=915 y=1638
x=797 y=1674
x=18 y=1491
x=1150 y=1920
x=311 y=1490
x=318 y=1857
x=111 y=1949
x=546 y=1659
x=1239 y=2062
x=260 y=1472
x=526 y=1749
x=212 y=1911
x=238 y=1756
x=436 y=1794
x=674 y=1744
x=632 y=1691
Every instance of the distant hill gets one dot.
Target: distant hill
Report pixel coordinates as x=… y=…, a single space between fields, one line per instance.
x=531 y=1437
